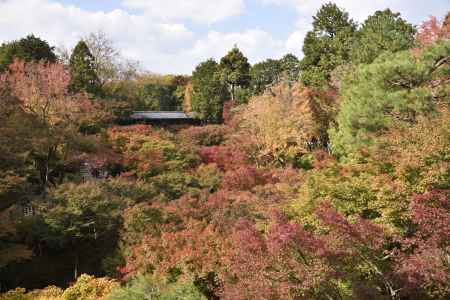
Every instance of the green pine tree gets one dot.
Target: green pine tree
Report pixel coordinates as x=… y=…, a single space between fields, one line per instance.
x=328 y=45
x=383 y=31
x=235 y=70
x=395 y=90
x=264 y=74
x=84 y=76
x=209 y=93
x=272 y=71
x=290 y=66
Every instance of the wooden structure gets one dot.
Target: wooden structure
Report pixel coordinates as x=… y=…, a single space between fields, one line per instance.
x=163 y=117
x=89 y=173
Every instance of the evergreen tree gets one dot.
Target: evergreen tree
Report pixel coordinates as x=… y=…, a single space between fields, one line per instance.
x=158 y=97
x=209 y=93
x=84 y=76
x=328 y=45
x=395 y=90
x=30 y=48
x=235 y=70
x=271 y=71
x=264 y=74
x=290 y=66
x=383 y=31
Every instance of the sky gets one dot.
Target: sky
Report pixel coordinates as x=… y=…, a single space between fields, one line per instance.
x=173 y=36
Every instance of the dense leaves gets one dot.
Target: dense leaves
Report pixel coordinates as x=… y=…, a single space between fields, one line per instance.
x=56 y=116
x=271 y=72
x=235 y=70
x=285 y=125
x=395 y=89
x=82 y=69
x=29 y=49
x=209 y=92
x=423 y=263
x=328 y=45
x=383 y=31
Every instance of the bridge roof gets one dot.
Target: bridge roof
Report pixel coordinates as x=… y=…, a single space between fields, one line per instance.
x=162 y=115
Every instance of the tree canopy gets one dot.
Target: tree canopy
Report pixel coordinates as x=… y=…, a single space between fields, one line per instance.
x=209 y=92
x=395 y=88
x=264 y=74
x=272 y=71
x=29 y=49
x=383 y=31
x=328 y=45
x=235 y=70
x=82 y=69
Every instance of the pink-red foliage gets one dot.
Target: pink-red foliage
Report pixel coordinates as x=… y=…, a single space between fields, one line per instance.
x=285 y=263
x=210 y=135
x=431 y=31
x=423 y=262
x=322 y=159
x=227 y=114
x=42 y=89
x=363 y=232
x=225 y=157
x=244 y=178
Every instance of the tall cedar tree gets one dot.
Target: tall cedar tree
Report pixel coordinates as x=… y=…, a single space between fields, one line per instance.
x=28 y=49
x=209 y=93
x=82 y=70
x=235 y=70
x=383 y=31
x=328 y=45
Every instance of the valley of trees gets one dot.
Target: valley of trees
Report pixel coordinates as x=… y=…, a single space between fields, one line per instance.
x=325 y=177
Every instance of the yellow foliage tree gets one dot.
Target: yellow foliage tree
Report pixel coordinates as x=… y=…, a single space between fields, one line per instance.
x=86 y=288
x=285 y=123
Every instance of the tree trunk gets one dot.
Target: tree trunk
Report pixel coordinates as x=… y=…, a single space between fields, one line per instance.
x=232 y=92
x=45 y=170
x=75 y=271
x=45 y=177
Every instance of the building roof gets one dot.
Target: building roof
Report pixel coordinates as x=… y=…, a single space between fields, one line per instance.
x=162 y=115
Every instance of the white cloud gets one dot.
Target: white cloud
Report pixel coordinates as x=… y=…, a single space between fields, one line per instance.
x=256 y=44
x=163 y=47
x=159 y=37
x=413 y=10
x=66 y=24
x=134 y=35
x=200 y=11
x=295 y=41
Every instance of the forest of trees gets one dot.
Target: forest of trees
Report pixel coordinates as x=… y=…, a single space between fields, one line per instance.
x=325 y=177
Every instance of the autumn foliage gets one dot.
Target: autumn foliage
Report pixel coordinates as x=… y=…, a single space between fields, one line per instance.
x=432 y=31
x=338 y=191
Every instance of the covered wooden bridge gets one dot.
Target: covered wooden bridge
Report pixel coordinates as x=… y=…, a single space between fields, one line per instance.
x=162 y=117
